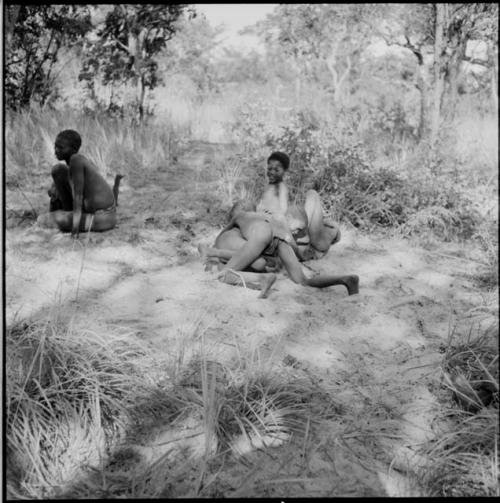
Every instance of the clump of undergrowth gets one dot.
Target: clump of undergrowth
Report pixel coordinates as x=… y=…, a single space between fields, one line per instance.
x=80 y=405
x=67 y=394
x=132 y=151
x=257 y=402
x=463 y=460
x=487 y=237
x=427 y=194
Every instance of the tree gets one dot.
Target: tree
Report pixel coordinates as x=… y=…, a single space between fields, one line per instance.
x=445 y=29
x=127 y=43
x=317 y=37
x=35 y=35
x=191 y=52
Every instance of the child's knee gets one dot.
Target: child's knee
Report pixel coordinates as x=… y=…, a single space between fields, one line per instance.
x=59 y=171
x=259 y=265
x=312 y=195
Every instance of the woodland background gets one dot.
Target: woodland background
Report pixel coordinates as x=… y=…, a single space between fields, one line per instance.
x=390 y=111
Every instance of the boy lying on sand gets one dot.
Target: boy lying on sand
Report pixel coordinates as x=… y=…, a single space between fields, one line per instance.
x=265 y=235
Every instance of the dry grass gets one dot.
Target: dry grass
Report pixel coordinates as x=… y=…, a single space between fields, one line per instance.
x=79 y=403
x=111 y=144
x=463 y=460
x=68 y=390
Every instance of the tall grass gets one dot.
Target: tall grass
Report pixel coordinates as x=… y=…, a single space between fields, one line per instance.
x=111 y=144
x=463 y=460
x=79 y=403
x=68 y=390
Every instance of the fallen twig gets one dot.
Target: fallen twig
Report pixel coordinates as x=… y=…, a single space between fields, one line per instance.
x=455 y=257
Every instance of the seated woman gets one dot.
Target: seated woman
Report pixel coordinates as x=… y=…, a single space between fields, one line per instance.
x=313 y=232
x=80 y=198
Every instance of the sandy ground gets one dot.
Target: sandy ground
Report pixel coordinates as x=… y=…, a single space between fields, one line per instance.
x=377 y=351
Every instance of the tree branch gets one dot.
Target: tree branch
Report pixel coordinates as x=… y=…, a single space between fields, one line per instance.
x=122 y=45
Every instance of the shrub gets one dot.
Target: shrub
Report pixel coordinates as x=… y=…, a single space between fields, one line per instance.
x=464 y=458
x=351 y=187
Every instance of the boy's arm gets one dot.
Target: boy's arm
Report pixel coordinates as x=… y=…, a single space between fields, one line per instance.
x=228 y=227
x=77 y=176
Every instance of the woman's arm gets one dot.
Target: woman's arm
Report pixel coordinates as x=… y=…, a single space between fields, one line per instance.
x=228 y=227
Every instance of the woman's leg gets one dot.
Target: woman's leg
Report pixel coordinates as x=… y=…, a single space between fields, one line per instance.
x=225 y=246
x=63 y=220
x=233 y=272
x=322 y=236
x=60 y=175
x=259 y=239
x=100 y=221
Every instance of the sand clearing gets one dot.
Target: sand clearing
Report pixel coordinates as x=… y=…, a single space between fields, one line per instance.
x=382 y=344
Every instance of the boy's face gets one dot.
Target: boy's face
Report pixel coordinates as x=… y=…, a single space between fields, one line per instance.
x=63 y=149
x=275 y=171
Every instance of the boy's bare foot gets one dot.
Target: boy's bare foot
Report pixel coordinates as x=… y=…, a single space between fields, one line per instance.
x=267 y=282
x=208 y=261
x=352 y=284
x=203 y=250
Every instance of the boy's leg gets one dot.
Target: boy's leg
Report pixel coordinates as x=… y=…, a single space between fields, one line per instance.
x=224 y=254
x=101 y=221
x=294 y=269
x=260 y=238
x=55 y=203
x=60 y=175
x=232 y=272
x=63 y=220
x=58 y=219
x=232 y=245
x=322 y=236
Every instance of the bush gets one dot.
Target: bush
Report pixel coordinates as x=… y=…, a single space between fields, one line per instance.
x=426 y=196
x=351 y=187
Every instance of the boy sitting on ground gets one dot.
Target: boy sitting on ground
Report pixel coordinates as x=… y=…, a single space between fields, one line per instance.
x=81 y=199
x=265 y=235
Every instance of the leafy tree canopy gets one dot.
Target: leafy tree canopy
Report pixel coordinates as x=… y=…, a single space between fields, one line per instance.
x=36 y=36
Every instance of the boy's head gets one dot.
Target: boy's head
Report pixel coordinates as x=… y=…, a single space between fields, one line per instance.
x=277 y=164
x=241 y=205
x=67 y=143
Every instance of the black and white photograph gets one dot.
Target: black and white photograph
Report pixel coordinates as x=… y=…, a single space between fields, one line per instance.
x=250 y=250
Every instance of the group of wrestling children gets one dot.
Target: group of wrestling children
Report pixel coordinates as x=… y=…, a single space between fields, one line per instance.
x=246 y=251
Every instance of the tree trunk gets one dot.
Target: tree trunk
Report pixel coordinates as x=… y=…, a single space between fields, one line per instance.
x=494 y=79
x=142 y=94
x=438 y=71
x=11 y=14
x=422 y=88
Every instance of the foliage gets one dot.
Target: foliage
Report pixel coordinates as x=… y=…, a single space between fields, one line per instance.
x=190 y=53
x=425 y=198
x=127 y=44
x=350 y=186
x=67 y=395
x=112 y=147
x=40 y=33
x=317 y=38
x=464 y=457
